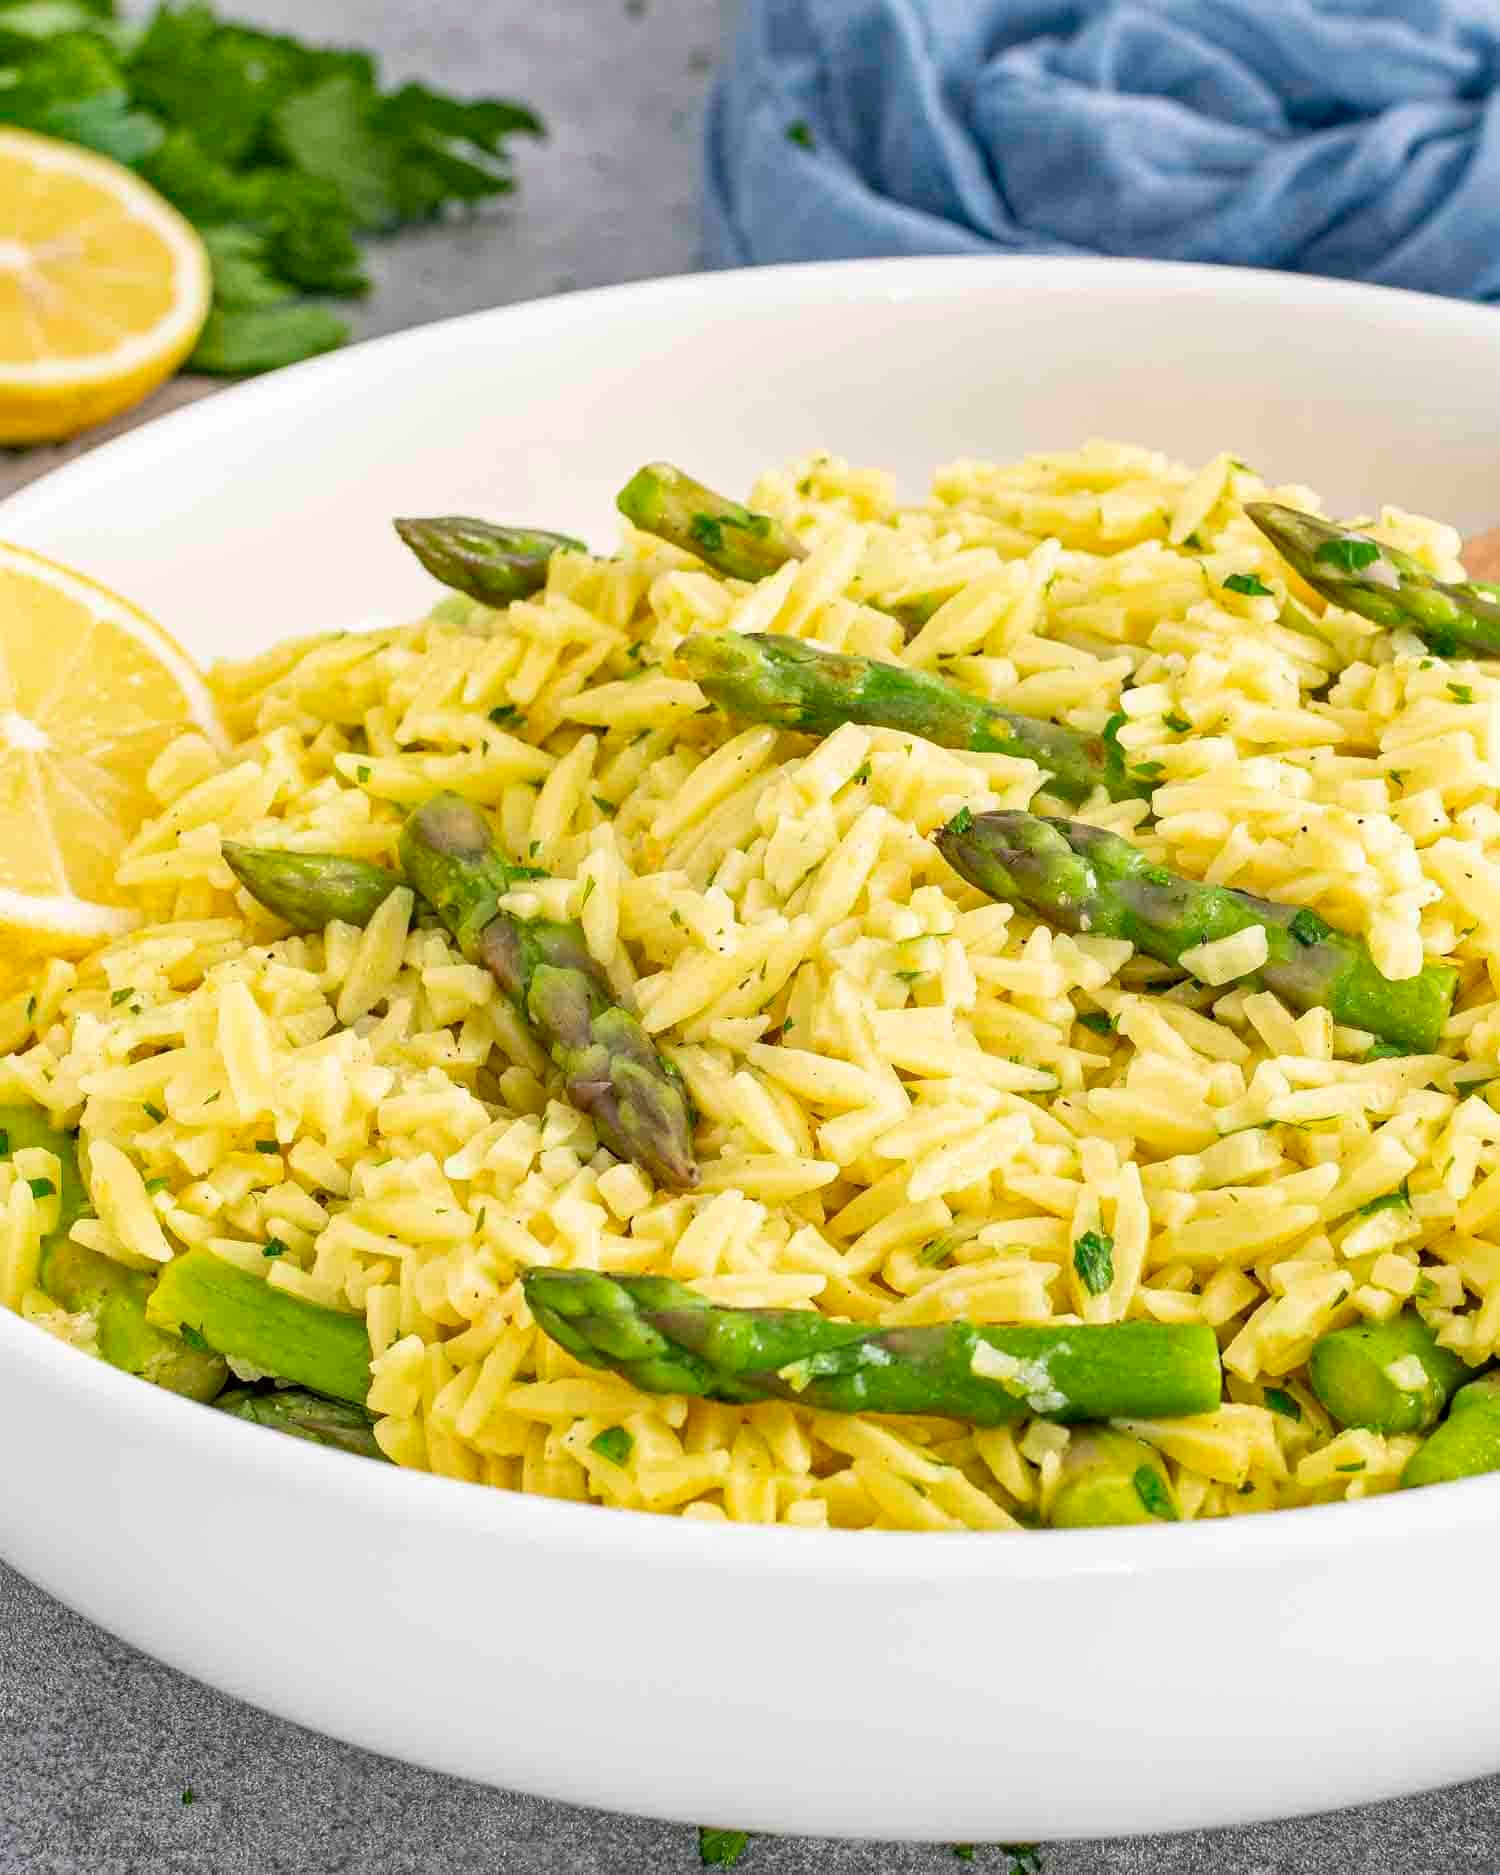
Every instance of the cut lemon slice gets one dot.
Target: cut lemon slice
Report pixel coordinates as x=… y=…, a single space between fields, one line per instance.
x=103 y=288
x=91 y=691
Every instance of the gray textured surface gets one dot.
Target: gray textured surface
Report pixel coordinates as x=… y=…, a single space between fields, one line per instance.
x=97 y=1743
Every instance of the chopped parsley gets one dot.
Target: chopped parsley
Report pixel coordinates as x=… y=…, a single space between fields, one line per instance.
x=192 y=1337
x=154 y=1185
x=707 y=531
x=1093 y=1258
x=614 y=1443
x=862 y=773
x=152 y=1113
x=188 y=1796
x=909 y=976
x=116 y=997
x=1250 y=584
x=1461 y=693
x=1386 y=1051
x=605 y=807
x=275 y=1248
x=266 y=1145
x=722 y=1848
x=1151 y=1489
x=42 y=1187
x=1358 y=1465
x=801 y=134
x=30 y=1008
x=362 y=774
x=1192 y=540
x=1347 y=556
x=1149 y=771
x=1280 y=1401
x=1307 y=927
x=934 y=1254
x=961 y=821
x=1178 y=724
x=1096 y=1020
x=1397 y=1200
x=506 y=713
x=588 y=891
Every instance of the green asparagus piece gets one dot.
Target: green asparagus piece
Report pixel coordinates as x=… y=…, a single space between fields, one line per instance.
x=1083 y=879
x=1381 y=583
x=493 y=564
x=1467 y=1442
x=310 y=890
x=1111 y=1477
x=246 y=1319
x=797 y=685
x=665 y=1338
x=307 y=1416
x=608 y=1062
x=1350 y=1373
x=732 y=539
x=85 y=1283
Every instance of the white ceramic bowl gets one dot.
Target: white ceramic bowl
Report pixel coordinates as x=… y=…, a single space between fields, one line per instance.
x=966 y=1687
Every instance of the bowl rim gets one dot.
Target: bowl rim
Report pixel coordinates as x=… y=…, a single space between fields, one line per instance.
x=1262 y=1540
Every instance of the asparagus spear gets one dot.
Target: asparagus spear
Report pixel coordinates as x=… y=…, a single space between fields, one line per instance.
x=1467 y=1442
x=490 y=563
x=732 y=539
x=310 y=890
x=1382 y=583
x=1111 y=1477
x=1350 y=1371
x=610 y=1067
x=1081 y=879
x=665 y=1338
x=245 y=1319
x=797 y=685
x=86 y=1283
x=305 y=1415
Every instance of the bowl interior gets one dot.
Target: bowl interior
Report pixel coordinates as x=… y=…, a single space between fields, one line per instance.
x=266 y=511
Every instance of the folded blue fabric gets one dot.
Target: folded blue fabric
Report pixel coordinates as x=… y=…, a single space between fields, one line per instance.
x=1350 y=137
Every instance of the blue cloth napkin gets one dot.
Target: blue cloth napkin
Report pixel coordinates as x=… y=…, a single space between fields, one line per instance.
x=1351 y=137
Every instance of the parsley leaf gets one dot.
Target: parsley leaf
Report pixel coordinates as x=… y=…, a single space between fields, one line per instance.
x=274 y=1248
x=721 y=1848
x=1397 y=1200
x=1249 y=584
x=801 y=134
x=961 y=821
x=1461 y=693
x=1096 y=1020
x=614 y=1443
x=1280 y=1401
x=1093 y=1258
x=1153 y=1493
x=1348 y=556
x=1180 y=724
x=282 y=154
x=42 y=1187
x=1307 y=927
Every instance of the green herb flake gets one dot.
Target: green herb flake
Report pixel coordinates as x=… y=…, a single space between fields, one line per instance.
x=275 y=1248
x=42 y=1187
x=1386 y=1051
x=1193 y=540
x=1358 y=1465
x=606 y=808
x=1461 y=693
x=1022 y=1858
x=801 y=134
x=936 y=1253
x=707 y=531
x=189 y=1797
x=507 y=715
x=722 y=1848
x=614 y=1443
x=1179 y=725
x=4 y=1143
x=1397 y=1200
x=362 y=773
x=1151 y=1489
x=267 y=1146
x=154 y=1185
x=193 y=1338
x=1250 y=584
x=152 y=1113
x=1093 y=1259
x=1280 y=1401
x=116 y=997
x=962 y=1851
x=30 y=1008
x=588 y=891
x=1347 y=555
x=1096 y=1020
x=1149 y=771
x=862 y=773
x=962 y=821
x=1308 y=928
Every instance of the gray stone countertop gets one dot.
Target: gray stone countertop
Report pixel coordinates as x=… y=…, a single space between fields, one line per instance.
x=113 y=1765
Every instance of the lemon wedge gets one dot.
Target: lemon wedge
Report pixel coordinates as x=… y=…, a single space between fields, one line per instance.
x=91 y=691
x=103 y=288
